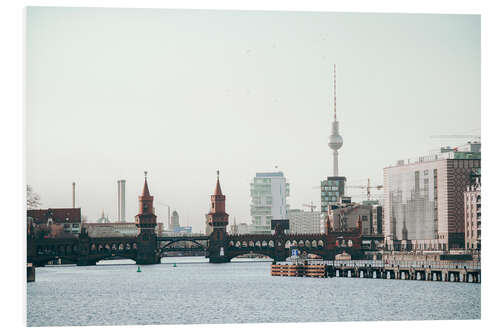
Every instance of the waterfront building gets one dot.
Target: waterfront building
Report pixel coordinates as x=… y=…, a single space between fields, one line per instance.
x=424 y=199
x=344 y=217
x=268 y=191
x=70 y=219
x=472 y=212
x=304 y=222
x=116 y=229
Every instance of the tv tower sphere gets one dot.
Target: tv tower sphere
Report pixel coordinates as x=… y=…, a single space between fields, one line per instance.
x=335 y=141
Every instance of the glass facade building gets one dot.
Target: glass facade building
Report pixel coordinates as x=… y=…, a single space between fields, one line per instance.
x=268 y=192
x=332 y=189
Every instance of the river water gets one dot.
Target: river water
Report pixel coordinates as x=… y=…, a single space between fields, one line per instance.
x=196 y=292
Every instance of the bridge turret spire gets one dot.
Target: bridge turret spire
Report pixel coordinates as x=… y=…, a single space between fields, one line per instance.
x=218 y=190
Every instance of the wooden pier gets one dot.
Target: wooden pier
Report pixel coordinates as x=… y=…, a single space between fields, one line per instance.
x=298 y=270
x=449 y=271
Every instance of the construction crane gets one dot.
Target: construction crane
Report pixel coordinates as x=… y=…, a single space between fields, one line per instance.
x=456 y=136
x=367 y=187
x=310 y=206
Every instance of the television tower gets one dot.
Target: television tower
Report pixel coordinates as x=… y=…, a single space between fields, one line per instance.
x=335 y=140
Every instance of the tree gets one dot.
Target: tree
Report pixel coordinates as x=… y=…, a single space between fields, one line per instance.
x=32 y=199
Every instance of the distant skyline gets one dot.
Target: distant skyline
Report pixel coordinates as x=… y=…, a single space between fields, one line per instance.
x=181 y=94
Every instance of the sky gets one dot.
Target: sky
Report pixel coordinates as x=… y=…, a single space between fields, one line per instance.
x=184 y=93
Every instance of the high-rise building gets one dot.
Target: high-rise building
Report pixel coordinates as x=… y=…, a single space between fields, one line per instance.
x=174 y=221
x=269 y=191
x=424 y=199
x=472 y=203
x=332 y=189
x=304 y=222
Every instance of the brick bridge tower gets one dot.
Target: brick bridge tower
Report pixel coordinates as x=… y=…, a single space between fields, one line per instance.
x=218 y=220
x=146 y=228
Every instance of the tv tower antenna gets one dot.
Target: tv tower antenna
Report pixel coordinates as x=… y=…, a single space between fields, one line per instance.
x=335 y=141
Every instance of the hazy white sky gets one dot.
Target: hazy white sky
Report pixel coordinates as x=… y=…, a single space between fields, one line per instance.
x=114 y=92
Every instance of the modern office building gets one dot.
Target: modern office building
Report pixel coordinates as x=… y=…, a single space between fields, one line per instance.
x=424 y=199
x=268 y=191
x=304 y=222
x=332 y=189
x=472 y=212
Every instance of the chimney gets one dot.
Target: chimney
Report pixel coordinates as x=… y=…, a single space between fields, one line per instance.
x=74 y=194
x=169 y=219
x=121 y=200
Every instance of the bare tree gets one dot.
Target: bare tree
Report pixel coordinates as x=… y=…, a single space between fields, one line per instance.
x=32 y=199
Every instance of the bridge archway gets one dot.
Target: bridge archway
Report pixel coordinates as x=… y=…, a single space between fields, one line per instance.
x=167 y=247
x=235 y=254
x=113 y=256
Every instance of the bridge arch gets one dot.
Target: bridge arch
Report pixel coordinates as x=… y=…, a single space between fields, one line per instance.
x=234 y=254
x=168 y=244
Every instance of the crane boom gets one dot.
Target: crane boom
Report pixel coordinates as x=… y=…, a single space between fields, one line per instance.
x=455 y=136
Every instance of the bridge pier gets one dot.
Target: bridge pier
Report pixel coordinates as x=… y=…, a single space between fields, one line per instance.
x=84 y=261
x=218 y=260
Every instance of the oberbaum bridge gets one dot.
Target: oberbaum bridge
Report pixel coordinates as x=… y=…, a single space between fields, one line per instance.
x=220 y=247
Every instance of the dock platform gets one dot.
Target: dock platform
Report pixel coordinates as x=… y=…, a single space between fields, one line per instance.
x=449 y=271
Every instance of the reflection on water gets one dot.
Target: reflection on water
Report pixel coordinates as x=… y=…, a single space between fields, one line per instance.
x=194 y=291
